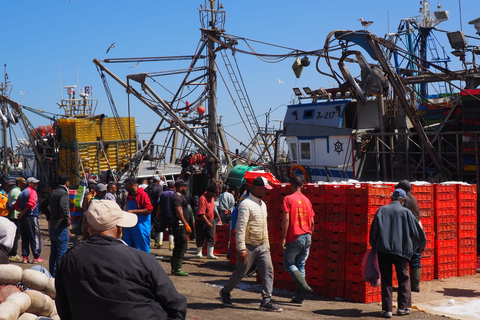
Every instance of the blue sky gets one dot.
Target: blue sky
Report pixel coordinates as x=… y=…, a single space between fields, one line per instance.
x=40 y=38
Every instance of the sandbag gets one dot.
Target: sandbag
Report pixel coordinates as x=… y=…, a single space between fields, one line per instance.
x=34 y=279
x=39 y=300
x=22 y=299
x=10 y=274
x=9 y=310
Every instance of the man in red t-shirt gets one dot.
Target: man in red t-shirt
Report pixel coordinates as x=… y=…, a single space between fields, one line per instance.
x=205 y=222
x=297 y=228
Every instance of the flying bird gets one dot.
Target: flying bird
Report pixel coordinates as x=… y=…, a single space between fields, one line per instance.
x=135 y=66
x=280 y=81
x=111 y=47
x=365 y=23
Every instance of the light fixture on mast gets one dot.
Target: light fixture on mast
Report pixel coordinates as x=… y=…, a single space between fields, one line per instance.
x=476 y=25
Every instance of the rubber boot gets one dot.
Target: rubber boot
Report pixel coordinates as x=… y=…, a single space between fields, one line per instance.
x=174 y=264
x=199 y=252
x=158 y=239
x=179 y=271
x=210 y=253
x=415 y=276
x=302 y=287
x=170 y=242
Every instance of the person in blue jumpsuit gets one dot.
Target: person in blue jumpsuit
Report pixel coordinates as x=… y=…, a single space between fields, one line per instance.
x=138 y=202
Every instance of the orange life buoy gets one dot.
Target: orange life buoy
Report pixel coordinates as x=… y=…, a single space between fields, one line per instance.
x=301 y=168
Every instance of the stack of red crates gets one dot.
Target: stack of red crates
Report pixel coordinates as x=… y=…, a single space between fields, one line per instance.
x=314 y=268
x=274 y=201
x=221 y=240
x=467 y=229
x=334 y=240
x=446 y=244
x=424 y=193
x=363 y=202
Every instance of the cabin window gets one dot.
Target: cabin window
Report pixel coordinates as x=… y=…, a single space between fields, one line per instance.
x=305 y=151
x=293 y=147
x=308 y=114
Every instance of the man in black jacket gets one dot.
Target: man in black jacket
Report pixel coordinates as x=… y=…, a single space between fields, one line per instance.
x=103 y=278
x=58 y=222
x=394 y=234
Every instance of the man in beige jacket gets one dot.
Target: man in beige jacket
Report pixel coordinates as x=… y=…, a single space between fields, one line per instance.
x=253 y=246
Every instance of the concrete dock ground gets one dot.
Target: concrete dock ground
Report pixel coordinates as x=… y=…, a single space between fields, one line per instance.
x=455 y=298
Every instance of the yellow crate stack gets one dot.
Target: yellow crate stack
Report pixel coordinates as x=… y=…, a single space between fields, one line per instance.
x=80 y=143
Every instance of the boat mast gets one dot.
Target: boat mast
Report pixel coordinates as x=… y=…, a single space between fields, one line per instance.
x=4 y=86
x=211 y=33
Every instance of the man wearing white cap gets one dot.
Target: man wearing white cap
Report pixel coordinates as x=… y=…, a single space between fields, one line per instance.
x=103 y=278
x=253 y=246
x=27 y=204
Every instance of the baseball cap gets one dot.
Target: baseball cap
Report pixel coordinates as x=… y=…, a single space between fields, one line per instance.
x=404 y=184
x=9 y=183
x=32 y=180
x=130 y=180
x=156 y=178
x=170 y=184
x=106 y=214
x=20 y=180
x=101 y=187
x=92 y=181
x=180 y=183
x=262 y=182
x=399 y=193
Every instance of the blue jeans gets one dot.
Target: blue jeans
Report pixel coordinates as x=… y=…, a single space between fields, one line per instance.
x=59 y=238
x=296 y=253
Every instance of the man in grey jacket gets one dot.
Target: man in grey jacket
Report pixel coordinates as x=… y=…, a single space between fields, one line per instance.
x=59 y=222
x=394 y=234
x=253 y=246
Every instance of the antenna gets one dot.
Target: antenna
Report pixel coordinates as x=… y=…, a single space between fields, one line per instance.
x=78 y=78
x=59 y=82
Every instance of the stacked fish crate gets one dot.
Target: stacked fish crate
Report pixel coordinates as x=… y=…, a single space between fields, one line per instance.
x=363 y=203
x=467 y=229
x=424 y=193
x=75 y=216
x=344 y=214
x=335 y=240
x=446 y=243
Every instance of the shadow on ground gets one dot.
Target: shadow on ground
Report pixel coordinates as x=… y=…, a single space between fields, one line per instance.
x=454 y=292
x=351 y=313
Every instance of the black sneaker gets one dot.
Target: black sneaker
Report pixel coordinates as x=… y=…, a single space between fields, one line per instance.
x=403 y=312
x=270 y=306
x=225 y=299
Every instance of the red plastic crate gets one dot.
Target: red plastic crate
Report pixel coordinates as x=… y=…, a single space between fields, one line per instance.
x=358 y=228
x=357 y=237
x=467 y=191
x=427 y=273
x=333 y=288
x=446 y=235
x=360 y=291
x=446 y=274
x=335 y=226
x=467 y=203
x=427 y=212
x=446 y=211
x=423 y=188
x=467 y=272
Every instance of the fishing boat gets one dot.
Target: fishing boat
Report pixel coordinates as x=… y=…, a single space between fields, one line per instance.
x=383 y=123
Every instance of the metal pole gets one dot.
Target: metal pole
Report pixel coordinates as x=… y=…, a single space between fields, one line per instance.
x=212 y=97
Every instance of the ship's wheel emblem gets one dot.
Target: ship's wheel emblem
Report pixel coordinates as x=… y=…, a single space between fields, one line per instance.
x=338 y=146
